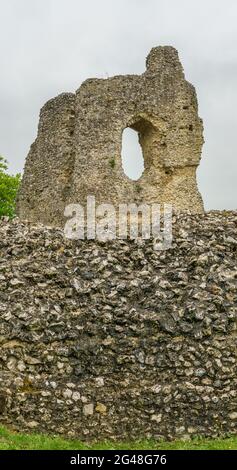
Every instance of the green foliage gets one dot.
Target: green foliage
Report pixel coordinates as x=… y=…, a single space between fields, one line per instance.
x=9 y=185
x=112 y=163
x=16 y=441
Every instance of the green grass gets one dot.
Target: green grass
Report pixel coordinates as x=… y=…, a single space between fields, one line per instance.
x=14 y=441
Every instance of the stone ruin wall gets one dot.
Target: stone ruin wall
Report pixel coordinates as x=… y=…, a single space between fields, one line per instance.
x=78 y=148
x=115 y=340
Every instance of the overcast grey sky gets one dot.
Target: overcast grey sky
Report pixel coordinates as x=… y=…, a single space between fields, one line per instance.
x=51 y=46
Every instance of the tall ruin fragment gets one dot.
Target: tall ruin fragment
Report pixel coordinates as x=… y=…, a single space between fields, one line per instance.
x=78 y=148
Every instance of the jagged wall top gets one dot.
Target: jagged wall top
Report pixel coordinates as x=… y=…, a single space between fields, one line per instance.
x=80 y=134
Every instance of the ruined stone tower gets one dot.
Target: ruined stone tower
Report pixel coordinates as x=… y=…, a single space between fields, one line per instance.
x=78 y=148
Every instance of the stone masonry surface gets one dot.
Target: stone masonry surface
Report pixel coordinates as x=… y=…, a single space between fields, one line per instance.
x=78 y=148
x=115 y=340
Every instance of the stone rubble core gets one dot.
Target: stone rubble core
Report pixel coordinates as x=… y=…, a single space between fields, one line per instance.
x=118 y=341
x=78 y=148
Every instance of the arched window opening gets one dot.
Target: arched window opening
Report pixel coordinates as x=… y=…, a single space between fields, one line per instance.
x=132 y=155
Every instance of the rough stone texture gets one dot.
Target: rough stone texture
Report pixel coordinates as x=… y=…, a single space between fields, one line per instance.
x=116 y=340
x=78 y=148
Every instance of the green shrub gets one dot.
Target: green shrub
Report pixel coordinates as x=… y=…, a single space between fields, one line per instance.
x=9 y=185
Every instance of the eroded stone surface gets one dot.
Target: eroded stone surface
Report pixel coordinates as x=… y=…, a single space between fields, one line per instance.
x=115 y=340
x=78 y=148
